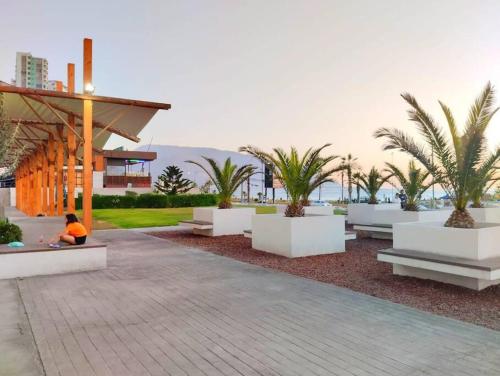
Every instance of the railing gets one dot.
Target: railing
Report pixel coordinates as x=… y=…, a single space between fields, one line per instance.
x=123 y=181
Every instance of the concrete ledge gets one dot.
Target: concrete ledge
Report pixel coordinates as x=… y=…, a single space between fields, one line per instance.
x=34 y=261
x=473 y=274
x=200 y=225
x=376 y=231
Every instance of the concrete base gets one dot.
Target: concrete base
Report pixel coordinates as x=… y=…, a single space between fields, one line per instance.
x=458 y=280
x=485 y=215
x=299 y=236
x=318 y=210
x=52 y=261
x=362 y=214
x=224 y=221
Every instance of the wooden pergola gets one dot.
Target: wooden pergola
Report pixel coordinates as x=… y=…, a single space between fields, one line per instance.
x=57 y=128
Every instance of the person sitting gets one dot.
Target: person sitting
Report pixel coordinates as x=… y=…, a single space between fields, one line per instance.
x=75 y=233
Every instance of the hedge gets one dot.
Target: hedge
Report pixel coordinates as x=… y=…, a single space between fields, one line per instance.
x=9 y=232
x=150 y=200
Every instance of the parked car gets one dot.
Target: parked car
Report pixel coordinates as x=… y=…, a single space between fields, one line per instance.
x=319 y=203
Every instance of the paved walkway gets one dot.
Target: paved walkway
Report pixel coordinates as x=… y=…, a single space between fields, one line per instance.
x=163 y=309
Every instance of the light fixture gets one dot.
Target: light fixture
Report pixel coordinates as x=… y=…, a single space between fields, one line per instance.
x=89 y=88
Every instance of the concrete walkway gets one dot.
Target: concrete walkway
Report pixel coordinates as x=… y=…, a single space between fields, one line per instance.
x=163 y=309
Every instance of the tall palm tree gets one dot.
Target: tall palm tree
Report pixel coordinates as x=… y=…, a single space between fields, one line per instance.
x=349 y=163
x=356 y=177
x=413 y=184
x=372 y=183
x=298 y=174
x=458 y=160
x=227 y=178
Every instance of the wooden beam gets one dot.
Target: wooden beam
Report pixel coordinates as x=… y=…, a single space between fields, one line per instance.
x=87 y=137
x=38 y=186
x=59 y=178
x=45 y=172
x=51 y=109
x=71 y=173
x=51 y=155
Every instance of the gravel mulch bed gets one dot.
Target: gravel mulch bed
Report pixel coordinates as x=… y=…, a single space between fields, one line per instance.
x=358 y=270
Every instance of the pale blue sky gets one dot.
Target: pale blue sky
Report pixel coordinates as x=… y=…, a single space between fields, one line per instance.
x=269 y=73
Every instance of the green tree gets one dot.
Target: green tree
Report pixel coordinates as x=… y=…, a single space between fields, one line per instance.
x=9 y=151
x=349 y=163
x=372 y=183
x=413 y=184
x=485 y=178
x=206 y=187
x=300 y=175
x=171 y=182
x=226 y=178
x=458 y=157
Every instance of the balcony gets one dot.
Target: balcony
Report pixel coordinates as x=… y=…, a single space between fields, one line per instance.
x=123 y=181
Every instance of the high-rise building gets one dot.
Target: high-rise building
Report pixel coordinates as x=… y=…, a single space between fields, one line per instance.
x=56 y=85
x=31 y=72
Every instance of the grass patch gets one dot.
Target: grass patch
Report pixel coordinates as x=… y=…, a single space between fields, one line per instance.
x=131 y=218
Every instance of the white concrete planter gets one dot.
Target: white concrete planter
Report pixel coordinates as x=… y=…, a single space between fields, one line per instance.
x=390 y=217
x=362 y=214
x=299 y=236
x=224 y=221
x=318 y=210
x=432 y=237
x=485 y=215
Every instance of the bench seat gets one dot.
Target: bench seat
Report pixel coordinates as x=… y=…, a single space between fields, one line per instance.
x=199 y=225
x=474 y=274
x=378 y=231
x=349 y=235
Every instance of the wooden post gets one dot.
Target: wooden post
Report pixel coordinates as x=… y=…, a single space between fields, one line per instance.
x=59 y=175
x=45 y=172
x=31 y=197
x=71 y=174
x=51 y=160
x=38 y=182
x=87 y=137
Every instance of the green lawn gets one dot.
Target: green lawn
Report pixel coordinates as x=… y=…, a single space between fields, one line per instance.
x=130 y=218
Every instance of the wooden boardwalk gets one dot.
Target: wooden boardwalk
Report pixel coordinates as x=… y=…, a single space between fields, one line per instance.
x=163 y=309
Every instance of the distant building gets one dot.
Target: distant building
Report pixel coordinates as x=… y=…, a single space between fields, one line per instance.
x=55 y=85
x=31 y=72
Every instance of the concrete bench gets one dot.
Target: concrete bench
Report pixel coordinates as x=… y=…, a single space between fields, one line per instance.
x=200 y=225
x=349 y=235
x=41 y=260
x=473 y=274
x=377 y=231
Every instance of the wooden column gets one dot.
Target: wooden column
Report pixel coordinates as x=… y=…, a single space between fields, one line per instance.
x=87 y=137
x=60 y=176
x=71 y=174
x=31 y=194
x=38 y=182
x=18 y=185
x=45 y=175
x=51 y=155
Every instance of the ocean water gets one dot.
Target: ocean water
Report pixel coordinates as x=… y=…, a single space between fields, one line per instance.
x=333 y=192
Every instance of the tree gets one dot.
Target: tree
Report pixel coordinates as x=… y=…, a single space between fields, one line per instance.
x=226 y=178
x=458 y=158
x=356 y=177
x=349 y=163
x=412 y=184
x=171 y=182
x=485 y=180
x=300 y=175
x=9 y=155
x=372 y=183
x=206 y=187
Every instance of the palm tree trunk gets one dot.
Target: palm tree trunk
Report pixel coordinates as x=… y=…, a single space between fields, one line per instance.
x=460 y=219
x=294 y=210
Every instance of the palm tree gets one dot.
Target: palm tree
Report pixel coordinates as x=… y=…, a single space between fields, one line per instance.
x=485 y=178
x=349 y=163
x=372 y=183
x=226 y=178
x=458 y=160
x=356 y=176
x=413 y=184
x=300 y=175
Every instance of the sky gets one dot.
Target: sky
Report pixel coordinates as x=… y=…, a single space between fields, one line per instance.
x=269 y=73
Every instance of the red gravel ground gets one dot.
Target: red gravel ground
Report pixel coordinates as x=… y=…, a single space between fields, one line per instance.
x=358 y=270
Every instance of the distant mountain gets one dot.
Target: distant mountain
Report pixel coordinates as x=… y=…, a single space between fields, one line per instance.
x=177 y=155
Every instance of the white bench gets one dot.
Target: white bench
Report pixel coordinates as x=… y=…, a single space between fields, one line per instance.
x=375 y=231
x=199 y=227
x=40 y=260
x=473 y=274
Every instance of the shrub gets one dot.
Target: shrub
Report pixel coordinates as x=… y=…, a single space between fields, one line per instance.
x=180 y=201
x=9 y=232
x=131 y=193
x=151 y=200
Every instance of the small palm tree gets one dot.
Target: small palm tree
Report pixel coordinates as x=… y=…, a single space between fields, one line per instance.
x=413 y=184
x=457 y=161
x=227 y=178
x=300 y=175
x=372 y=183
x=485 y=177
x=349 y=163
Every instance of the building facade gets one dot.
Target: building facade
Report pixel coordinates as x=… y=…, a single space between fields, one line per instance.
x=31 y=72
x=56 y=85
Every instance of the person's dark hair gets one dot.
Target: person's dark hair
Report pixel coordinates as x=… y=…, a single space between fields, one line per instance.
x=71 y=218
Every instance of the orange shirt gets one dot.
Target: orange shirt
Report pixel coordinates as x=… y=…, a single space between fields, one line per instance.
x=76 y=229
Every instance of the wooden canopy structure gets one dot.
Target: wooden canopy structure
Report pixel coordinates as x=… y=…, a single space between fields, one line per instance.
x=55 y=129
